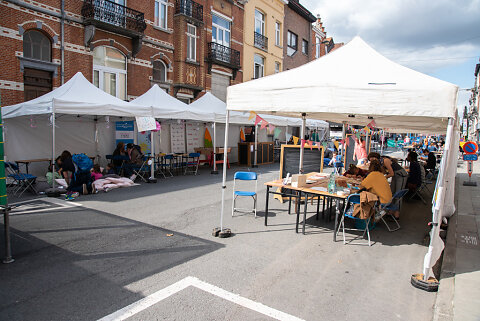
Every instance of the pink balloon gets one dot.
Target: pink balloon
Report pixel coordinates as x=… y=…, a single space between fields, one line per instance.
x=159 y=126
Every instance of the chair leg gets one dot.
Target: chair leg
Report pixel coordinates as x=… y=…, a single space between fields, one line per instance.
x=233 y=204
x=255 y=205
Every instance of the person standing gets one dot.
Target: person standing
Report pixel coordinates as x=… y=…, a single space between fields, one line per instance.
x=360 y=153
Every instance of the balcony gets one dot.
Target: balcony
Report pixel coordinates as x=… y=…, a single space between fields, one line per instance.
x=190 y=9
x=260 y=41
x=224 y=56
x=113 y=17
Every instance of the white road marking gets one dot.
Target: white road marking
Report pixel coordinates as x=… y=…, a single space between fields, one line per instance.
x=160 y=295
x=31 y=209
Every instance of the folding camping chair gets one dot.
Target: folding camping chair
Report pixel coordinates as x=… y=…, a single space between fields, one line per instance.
x=348 y=212
x=192 y=163
x=338 y=165
x=22 y=181
x=418 y=191
x=166 y=165
x=393 y=205
x=245 y=176
x=141 y=170
x=123 y=158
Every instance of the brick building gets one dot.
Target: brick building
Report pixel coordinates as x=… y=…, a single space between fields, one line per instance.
x=297 y=49
x=121 y=47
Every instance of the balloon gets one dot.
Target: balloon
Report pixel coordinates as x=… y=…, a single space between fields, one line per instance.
x=159 y=126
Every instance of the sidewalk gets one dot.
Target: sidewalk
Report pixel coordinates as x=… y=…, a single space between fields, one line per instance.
x=458 y=296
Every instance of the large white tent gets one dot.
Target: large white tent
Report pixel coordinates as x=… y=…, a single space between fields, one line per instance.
x=355 y=85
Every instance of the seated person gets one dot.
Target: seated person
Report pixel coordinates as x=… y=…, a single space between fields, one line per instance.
x=109 y=170
x=414 y=179
x=355 y=172
x=65 y=163
x=376 y=182
x=333 y=160
x=327 y=156
x=96 y=172
x=81 y=183
x=119 y=151
x=431 y=160
x=134 y=154
x=51 y=175
x=432 y=147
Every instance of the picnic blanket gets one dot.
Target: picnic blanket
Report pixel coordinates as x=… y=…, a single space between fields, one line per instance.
x=109 y=183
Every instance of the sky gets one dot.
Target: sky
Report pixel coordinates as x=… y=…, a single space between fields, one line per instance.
x=440 y=38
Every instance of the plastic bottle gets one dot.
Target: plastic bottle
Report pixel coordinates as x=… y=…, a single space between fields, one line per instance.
x=331 y=183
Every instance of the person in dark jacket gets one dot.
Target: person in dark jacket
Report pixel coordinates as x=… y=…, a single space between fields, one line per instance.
x=431 y=160
x=119 y=151
x=414 y=179
x=65 y=163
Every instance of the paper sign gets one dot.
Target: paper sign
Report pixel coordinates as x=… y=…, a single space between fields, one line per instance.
x=295 y=140
x=145 y=123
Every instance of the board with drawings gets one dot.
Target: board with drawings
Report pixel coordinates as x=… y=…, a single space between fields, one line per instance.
x=177 y=137
x=193 y=139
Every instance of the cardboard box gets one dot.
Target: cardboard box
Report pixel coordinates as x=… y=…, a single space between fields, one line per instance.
x=299 y=180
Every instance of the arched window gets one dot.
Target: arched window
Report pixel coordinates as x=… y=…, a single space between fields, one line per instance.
x=159 y=71
x=110 y=71
x=37 y=46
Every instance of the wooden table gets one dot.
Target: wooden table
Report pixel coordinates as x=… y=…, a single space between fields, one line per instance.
x=27 y=162
x=297 y=192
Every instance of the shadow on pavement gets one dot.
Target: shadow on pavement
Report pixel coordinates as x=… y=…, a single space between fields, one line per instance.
x=75 y=264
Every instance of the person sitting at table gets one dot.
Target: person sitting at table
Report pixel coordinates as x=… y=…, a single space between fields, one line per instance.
x=355 y=172
x=432 y=147
x=376 y=183
x=414 y=179
x=51 y=175
x=66 y=166
x=431 y=160
x=96 y=172
x=360 y=152
x=394 y=170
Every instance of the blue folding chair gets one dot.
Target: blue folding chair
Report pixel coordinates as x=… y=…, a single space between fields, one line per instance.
x=393 y=205
x=141 y=170
x=22 y=181
x=338 y=165
x=166 y=165
x=191 y=165
x=352 y=200
x=245 y=176
x=123 y=158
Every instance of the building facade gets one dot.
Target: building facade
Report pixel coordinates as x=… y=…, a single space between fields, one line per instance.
x=297 y=35
x=318 y=38
x=263 y=38
x=123 y=48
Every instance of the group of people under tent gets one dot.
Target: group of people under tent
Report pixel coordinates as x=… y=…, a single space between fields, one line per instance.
x=78 y=180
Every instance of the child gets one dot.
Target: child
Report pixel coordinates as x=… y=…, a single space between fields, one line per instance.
x=96 y=172
x=51 y=176
x=334 y=159
x=109 y=169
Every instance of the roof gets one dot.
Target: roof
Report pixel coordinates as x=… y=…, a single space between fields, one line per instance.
x=301 y=10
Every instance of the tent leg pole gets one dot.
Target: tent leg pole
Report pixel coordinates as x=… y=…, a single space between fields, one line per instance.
x=53 y=144
x=215 y=171
x=226 y=232
x=152 y=144
x=6 y=225
x=344 y=137
x=381 y=139
x=256 y=144
x=302 y=142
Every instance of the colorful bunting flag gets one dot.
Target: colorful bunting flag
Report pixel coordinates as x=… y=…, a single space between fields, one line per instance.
x=372 y=124
x=358 y=135
x=295 y=140
x=271 y=128
x=318 y=145
x=242 y=135
x=276 y=133
x=303 y=142
x=257 y=120
x=252 y=114
x=310 y=143
x=263 y=124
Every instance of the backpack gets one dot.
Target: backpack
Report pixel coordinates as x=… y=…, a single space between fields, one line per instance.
x=82 y=162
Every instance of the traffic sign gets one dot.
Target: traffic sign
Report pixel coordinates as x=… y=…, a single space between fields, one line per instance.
x=470 y=147
x=470 y=157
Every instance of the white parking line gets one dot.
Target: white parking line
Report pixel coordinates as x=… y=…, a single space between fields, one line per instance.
x=27 y=208
x=160 y=295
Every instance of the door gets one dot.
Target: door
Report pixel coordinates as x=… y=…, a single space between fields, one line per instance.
x=36 y=83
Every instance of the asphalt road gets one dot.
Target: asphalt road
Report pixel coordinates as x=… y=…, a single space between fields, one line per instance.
x=86 y=262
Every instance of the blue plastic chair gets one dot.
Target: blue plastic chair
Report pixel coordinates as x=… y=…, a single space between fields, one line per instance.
x=245 y=176
x=393 y=205
x=22 y=181
x=338 y=165
x=352 y=200
x=191 y=165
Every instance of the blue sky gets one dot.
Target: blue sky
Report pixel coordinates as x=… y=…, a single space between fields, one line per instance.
x=440 y=38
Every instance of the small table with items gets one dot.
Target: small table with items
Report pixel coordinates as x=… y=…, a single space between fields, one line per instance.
x=316 y=187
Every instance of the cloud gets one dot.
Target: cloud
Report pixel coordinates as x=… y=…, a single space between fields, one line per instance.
x=421 y=34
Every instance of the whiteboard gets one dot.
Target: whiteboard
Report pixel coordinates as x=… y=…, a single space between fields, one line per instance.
x=177 y=137
x=193 y=138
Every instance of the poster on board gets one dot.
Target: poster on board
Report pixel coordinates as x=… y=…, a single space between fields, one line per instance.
x=145 y=123
x=143 y=140
x=124 y=132
x=193 y=139
x=177 y=137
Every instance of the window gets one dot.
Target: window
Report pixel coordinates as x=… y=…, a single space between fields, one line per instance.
x=259 y=22
x=291 y=43
x=277 y=67
x=317 y=47
x=191 y=42
x=220 y=31
x=277 y=33
x=37 y=46
x=159 y=71
x=161 y=13
x=305 y=46
x=258 y=66
x=110 y=71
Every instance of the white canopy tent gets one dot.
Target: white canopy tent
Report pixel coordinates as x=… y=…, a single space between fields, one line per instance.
x=355 y=85
x=77 y=96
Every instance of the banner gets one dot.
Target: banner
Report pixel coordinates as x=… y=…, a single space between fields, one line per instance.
x=124 y=132
x=242 y=135
x=145 y=123
x=143 y=140
x=208 y=139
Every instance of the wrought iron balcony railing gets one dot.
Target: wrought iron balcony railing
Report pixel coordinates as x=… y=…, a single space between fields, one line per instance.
x=260 y=41
x=114 y=14
x=223 y=55
x=189 y=8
